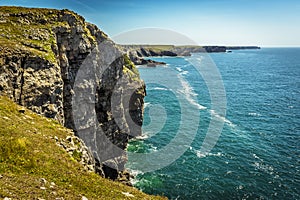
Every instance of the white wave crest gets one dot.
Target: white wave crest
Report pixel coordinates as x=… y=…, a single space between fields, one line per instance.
x=179 y=69
x=142 y=137
x=254 y=114
x=146 y=104
x=222 y=118
x=161 y=88
x=134 y=173
x=203 y=155
x=189 y=93
x=184 y=72
x=152 y=148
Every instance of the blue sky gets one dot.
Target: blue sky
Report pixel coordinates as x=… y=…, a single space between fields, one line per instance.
x=207 y=22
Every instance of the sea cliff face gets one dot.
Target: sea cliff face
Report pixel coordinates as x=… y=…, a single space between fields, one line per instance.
x=41 y=52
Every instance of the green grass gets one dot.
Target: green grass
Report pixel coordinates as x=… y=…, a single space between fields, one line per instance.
x=28 y=153
x=156 y=48
x=130 y=69
x=29 y=34
x=14 y=33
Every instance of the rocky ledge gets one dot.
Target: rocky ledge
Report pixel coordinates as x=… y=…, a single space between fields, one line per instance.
x=41 y=53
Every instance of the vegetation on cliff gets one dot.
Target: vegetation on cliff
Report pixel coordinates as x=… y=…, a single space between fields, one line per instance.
x=33 y=165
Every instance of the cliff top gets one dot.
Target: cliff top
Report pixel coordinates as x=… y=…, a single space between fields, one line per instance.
x=30 y=160
x=32 y=30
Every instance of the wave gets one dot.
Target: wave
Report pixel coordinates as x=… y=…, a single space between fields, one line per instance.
x=222 y=118
x=261 y=165
x=184 y=72
x=145 y=135
x=179 y=69
x=159 y=88
x=254 y=114
x=189 y=93
x=199 y=154
x=200 y=59
x=146 y=104
x=142 y=137
x=152 y=148
x=134 y=173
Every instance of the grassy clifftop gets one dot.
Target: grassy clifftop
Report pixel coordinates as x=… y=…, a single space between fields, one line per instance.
x=32 y=35
x=32 y=30
x=33 y=166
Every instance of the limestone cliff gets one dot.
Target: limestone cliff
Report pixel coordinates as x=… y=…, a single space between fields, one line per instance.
x=41 y=52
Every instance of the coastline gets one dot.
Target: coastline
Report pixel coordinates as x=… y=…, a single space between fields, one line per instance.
x=139 y=53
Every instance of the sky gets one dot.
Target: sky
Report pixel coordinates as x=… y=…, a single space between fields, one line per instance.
x=266 y=23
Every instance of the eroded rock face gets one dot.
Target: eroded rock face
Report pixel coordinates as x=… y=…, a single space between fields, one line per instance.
x=39 y=69
x=33 y=82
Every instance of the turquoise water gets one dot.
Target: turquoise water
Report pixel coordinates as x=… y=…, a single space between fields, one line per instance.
x=258 y=152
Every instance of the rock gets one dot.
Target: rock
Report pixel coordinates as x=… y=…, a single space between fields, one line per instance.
x=43 y=181
x=137 y=59
x=22 y=110
x=77 y=149
x=127 y=194
x=84 y=198
x=52 y=185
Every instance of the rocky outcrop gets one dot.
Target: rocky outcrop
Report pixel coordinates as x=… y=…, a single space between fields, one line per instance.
x=136 y=57
x=78 y=150
x=42 y=52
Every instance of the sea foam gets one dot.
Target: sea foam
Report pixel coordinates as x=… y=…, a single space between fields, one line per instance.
x=222 y=118
x=189 y=93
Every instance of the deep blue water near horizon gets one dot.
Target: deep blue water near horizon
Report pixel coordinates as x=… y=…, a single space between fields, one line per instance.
x=258 y=152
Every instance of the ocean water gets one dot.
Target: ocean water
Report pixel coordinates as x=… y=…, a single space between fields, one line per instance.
x=257 y=155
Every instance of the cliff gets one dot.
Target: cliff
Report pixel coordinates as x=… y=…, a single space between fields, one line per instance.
x=42 y=51
x=241 y=47
x=171 y=50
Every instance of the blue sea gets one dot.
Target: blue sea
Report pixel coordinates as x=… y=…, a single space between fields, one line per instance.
x=256 y=153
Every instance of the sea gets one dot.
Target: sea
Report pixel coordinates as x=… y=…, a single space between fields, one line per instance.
x=221 y=126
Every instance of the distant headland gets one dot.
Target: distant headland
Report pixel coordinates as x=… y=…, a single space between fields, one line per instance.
x=138 y=52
